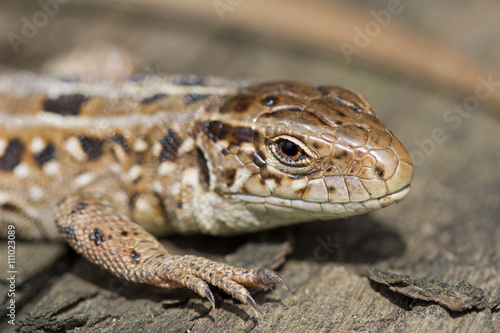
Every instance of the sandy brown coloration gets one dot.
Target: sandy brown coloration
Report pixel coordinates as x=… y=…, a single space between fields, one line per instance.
x=108 y=168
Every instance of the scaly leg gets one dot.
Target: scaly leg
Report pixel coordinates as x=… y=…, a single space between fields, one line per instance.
x=112 y=241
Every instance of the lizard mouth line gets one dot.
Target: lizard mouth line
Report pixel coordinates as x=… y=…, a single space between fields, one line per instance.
x=397 y=196
x=341 y=209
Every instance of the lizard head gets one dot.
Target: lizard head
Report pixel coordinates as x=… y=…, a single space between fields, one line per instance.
x=292 y=152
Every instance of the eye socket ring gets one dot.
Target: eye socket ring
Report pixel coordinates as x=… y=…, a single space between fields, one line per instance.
x=291 y=151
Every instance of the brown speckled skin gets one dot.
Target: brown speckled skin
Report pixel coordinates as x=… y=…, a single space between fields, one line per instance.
x=108 y=164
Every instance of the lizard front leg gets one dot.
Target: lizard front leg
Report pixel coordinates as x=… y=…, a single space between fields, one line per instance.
x=93 y=227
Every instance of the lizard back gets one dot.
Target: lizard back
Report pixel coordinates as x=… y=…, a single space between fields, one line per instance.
x=58 y=134
x=193 y=154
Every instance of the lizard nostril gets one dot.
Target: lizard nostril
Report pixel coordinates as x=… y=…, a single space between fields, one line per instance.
x=379 y=172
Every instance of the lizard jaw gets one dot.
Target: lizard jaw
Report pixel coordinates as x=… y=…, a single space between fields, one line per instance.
x=395 y=197
x=304 y=210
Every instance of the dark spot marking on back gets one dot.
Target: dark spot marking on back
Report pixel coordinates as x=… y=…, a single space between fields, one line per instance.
x=339 y=123
x=332 y=189
x=124 y=233
x=97 y=237
x=341 y=114
x=91 y=146
x=178 y=204
x=69 y=232
x=12 y=155
x=136 y=256
x=170 y=144
x=216 y=131
x=225 y=151
x=65 y=105
x=230 y=175
x=152 y=99
x=46 y=155
x=120 y=139
x=203 y=167
x=211 y=129
x=191 y=98
x=10 y=207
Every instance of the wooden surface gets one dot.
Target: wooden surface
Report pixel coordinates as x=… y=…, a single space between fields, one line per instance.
x=447 y=229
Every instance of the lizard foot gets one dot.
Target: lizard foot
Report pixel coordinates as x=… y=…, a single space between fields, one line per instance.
x=199 y=272
x=112 y=241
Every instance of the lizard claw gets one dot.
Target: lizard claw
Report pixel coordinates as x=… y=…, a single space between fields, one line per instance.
x=268 y=277
x=208 y=294
x=229 y=279
x=251 y=302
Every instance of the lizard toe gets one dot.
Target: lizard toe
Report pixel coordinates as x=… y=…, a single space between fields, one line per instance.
x=267 y=278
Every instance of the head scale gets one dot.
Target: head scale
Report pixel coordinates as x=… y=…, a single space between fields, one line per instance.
x=291 y=151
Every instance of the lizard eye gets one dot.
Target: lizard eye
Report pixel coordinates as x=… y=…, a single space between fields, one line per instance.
x=290 y=151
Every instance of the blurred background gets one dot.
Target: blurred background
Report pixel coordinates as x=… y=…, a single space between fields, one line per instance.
x=430 y=69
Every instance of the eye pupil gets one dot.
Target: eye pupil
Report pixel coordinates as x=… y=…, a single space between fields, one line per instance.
x=289 y=148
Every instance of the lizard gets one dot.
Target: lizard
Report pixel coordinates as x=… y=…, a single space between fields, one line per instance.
x=110 y=165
